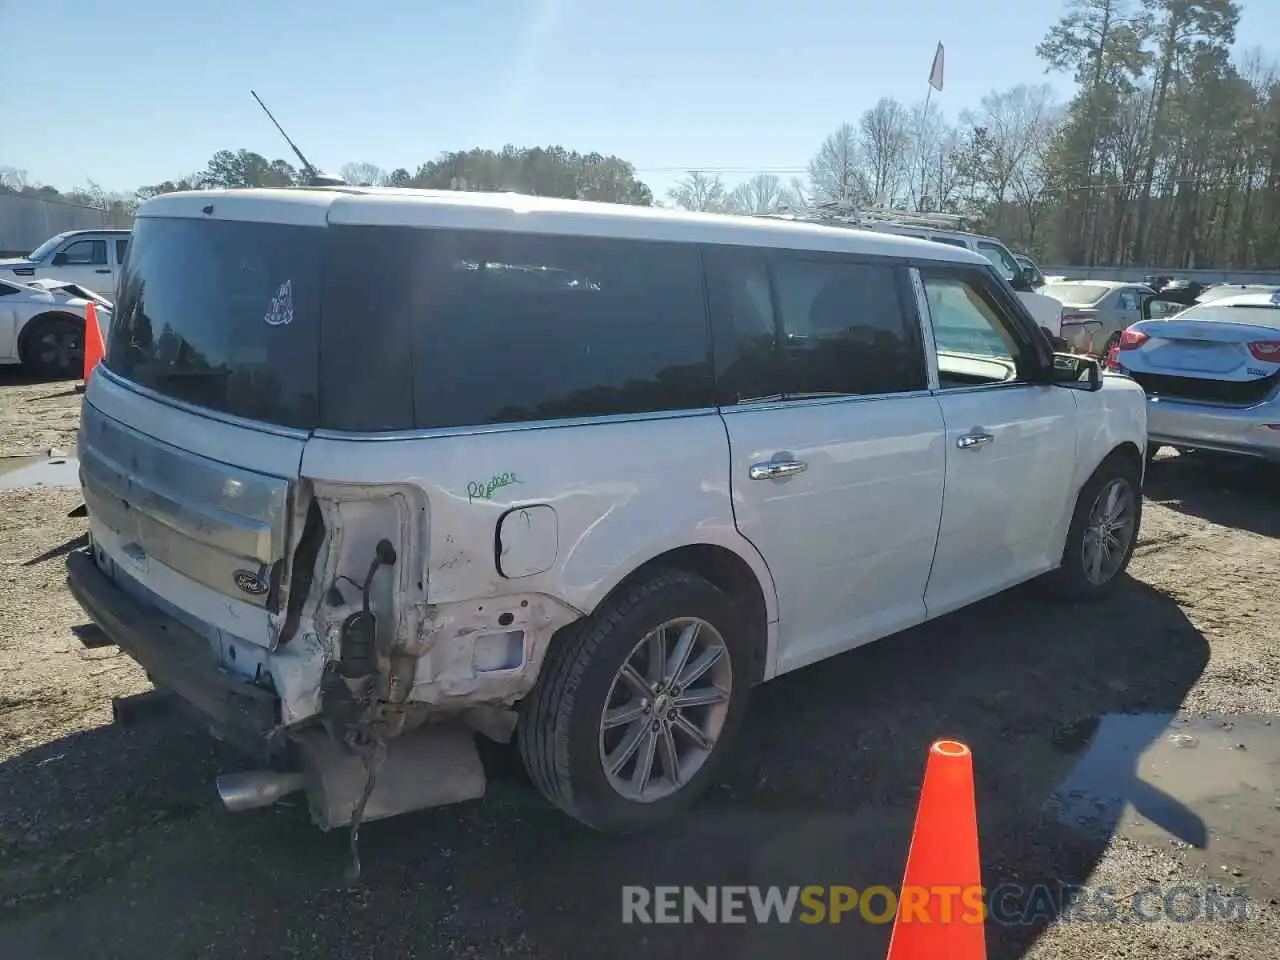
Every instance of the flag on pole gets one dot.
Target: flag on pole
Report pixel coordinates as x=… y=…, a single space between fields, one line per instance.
x=935 y=75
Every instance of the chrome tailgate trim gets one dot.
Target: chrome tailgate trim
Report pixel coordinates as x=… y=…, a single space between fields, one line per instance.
x=200 y=517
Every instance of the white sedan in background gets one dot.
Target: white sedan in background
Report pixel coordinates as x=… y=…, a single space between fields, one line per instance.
x=42 y=325
x=1211 y=373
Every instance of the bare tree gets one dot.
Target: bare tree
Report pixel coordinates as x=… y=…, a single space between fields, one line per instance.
x=764 y=193
x=364 y=174
x=933 y=160
x=1007 y=127
x=700 y=192
x=836 y=170
x=1030 y=185
x=799 y=193
x=886 y=143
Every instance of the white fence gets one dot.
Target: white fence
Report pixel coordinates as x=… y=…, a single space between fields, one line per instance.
x=26 y=222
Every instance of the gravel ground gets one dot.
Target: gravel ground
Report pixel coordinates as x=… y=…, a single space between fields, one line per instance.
x=36 y=416
x=112 y=843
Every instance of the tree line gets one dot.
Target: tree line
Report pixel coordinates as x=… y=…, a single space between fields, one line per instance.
x=1168 y=155
x=549 y=171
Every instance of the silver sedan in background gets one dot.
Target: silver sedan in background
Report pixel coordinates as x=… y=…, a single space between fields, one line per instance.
x=42 y=325
x=1211 y=374
x=1094 y=312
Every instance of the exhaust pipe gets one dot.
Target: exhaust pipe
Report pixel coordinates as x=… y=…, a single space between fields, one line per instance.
x=257 y=788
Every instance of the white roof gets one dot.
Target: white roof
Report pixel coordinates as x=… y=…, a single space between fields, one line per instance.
x=1271 y=300
x=510 y=212
x=1106 y=284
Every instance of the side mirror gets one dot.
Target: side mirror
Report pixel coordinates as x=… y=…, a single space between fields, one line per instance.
x=1079 y=373
x=60 y=259
x=1022 y=282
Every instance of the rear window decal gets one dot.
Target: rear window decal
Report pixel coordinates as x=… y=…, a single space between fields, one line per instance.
x=281 y=311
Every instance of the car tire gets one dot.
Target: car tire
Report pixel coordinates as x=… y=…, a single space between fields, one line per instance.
x=1081 y=576
x=53 y=346
x=596 y=698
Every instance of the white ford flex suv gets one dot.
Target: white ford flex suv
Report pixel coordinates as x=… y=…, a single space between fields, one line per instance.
x=370 y=472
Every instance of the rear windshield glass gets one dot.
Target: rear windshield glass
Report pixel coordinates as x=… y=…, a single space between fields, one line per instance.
x=1075 y=294
x=375 y=329
x=1259 y=314
x=223 y=315
x=1217 y=293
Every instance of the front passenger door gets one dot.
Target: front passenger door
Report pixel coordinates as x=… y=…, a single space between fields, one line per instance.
x=1010 y=442
x=85 y=262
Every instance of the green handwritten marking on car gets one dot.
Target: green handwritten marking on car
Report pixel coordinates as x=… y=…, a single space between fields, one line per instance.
x=485 y=489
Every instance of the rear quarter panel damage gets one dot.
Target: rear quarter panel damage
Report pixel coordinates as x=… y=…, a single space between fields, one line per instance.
x=616 y=495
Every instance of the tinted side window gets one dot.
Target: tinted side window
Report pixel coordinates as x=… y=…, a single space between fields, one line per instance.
x=801 y=325
x=91 y=253
x=843 y=328
x=122 y=247
x=374 y=291
x=515 y=327
x=748 y=356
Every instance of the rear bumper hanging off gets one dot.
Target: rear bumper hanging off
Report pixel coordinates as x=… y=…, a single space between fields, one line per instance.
x=178 y=660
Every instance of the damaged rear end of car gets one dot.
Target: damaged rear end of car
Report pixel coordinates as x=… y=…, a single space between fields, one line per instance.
x=254 y=542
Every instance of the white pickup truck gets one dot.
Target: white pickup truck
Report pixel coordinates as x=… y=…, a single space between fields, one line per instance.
x=87 y=258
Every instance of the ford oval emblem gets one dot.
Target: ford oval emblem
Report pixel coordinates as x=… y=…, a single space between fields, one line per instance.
x=251 y=583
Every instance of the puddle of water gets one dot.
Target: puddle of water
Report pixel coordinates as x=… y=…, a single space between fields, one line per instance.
x=1213 y=783
x=22 y=472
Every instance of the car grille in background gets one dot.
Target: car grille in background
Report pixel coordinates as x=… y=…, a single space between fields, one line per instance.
x=1211 y=391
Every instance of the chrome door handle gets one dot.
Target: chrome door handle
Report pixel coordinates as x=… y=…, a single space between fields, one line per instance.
x=970 y=440
x=776 y=469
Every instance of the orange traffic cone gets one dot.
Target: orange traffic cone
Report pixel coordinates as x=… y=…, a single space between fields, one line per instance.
x=942 y=907
x=93 y=347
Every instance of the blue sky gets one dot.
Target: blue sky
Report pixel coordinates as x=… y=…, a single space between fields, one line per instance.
x=159 y=85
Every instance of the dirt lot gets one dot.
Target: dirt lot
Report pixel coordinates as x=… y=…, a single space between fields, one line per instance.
x=112 y=843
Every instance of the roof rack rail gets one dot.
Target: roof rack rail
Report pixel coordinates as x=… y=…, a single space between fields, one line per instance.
x=847 y=213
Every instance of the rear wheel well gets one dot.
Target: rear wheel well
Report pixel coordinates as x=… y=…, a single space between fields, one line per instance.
x=729 y=573
x=34 y=324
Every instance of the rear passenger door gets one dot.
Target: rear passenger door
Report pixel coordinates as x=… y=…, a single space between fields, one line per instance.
x=835 y=441
x=1010 y=442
